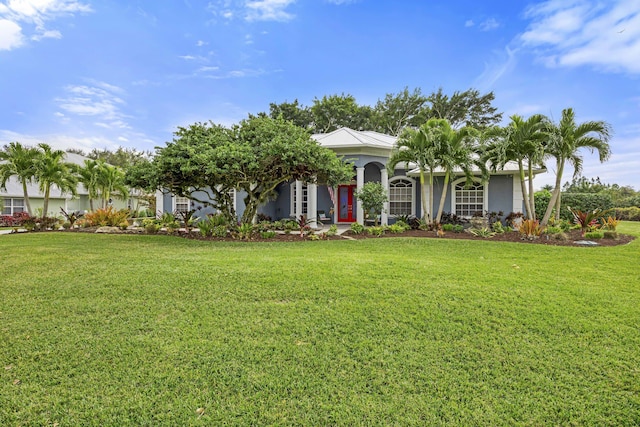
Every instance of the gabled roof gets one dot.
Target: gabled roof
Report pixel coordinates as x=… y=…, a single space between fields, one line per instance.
x=349 y=138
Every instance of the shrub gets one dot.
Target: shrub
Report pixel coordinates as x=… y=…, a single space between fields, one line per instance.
x=628 y=214
x=410 y=220
x=450 y=218
x=107 y=217
x=376 y=231
x=263 y=217
x=219 y=231
x=594 y=235
x=46 y=223
x=264 y=226
x=71 y=217
x=397 y=228
x=610 y=223
x=553 y=230
x=608 y=234
x=447 y=227
x=588 y=219
x=458 y=228
x=333 y=230
x=357 y=228
x=244 y=231
x=514 y=219
x=497 y=227
x=561 y=236
x=530 y=229
x=151 y=226
x=580 y=201
x=482 y=232
x=269 y=234
x=66 y=225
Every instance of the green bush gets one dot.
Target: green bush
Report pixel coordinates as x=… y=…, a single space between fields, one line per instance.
x=628 y=214
x=269 y=234
x=397 y=228
x=447 y=227
x=609 y=234
x=594 y=235
x=357 y=228
x=553 y=230
x=584 y=202
x=458 y=228
x=333 y=230
x=376 y=231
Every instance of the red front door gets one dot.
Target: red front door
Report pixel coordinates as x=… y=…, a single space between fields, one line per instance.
x=346 y=203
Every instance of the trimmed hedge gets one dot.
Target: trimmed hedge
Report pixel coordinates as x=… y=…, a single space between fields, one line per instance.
x=628 y=214
x=580 y=201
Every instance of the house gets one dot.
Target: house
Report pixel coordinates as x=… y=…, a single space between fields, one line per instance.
x=370 y=152
x=13 y=196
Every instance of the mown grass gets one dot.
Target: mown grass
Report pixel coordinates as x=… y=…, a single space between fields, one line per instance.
x=145 y=330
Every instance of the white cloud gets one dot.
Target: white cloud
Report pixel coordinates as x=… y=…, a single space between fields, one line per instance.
x=605 y=35
x=201 y=43
x=31 y=16
x=489 y=24
x=100 y=100
x=340 y=2
x=268 y=10
x=60 y=141
x=504 y=62
x=469 y=23
x=10 y=35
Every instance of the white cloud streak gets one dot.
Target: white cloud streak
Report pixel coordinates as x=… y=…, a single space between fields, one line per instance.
x=571 y=33
x=33 y=15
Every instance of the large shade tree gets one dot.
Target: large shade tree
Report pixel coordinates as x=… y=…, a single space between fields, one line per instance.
x=566 y=140
x=521 y=141
x=19 y=161
x=206 y=162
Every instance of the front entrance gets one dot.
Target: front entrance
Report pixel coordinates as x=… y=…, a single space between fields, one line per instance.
x=346 y=203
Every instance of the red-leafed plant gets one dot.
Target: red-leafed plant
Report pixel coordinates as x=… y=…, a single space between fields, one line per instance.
x=587 y=220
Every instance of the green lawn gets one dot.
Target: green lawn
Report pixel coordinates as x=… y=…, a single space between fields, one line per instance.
x=145 y=330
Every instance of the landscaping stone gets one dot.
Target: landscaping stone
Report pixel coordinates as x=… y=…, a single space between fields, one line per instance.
x=109 y=230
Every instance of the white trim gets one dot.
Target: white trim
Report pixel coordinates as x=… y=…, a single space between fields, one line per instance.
x=13 y=206
x=384 y=178
x=159 y=203
x=413 y=192
x=485 y=193
x=359 y=185
x=312 y=205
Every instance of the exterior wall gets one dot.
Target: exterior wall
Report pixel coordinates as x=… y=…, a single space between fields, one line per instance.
x=501 y=194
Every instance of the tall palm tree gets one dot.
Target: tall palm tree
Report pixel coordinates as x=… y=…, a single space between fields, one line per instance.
x=51 y=169
x=457 y=150
x=88 y=176
x=567 y=138
x=419 y=147
x=110 y=182
x=521 y=141
x=20 y=161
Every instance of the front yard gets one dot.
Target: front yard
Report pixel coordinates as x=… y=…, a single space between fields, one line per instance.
x=155 y=330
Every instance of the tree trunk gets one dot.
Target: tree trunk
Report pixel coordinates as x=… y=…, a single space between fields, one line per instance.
x=556 y=193
x=91 y=204
x=558 y=202
x=523 y=186
x=45 y=205
x=532 y=199
x=26 y=197
x=443 y=196
x=430 y=195
x=425 y=213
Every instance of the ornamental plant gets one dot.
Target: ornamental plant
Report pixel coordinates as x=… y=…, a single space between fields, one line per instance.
x=586 y=220
x=530 y=229
x=373 y=197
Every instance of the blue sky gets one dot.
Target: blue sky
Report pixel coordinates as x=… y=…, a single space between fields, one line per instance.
x=109 y=73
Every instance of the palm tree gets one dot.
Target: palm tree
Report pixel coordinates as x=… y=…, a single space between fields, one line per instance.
x=88 y=176
x=110 y=182
x=419 y=147
x=456 y=150
x=567 y=138
x=521 y=141
x=18 y=160
x=51 y=170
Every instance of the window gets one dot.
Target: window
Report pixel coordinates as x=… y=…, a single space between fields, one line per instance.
x=294 y=198
x=468 y=199
x=12 y=206
x=401 y=191
x=181 y=204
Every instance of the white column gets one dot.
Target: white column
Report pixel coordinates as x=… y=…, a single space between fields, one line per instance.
x=384 y=178
x=359 y=185
x=298 y=206
x=312 y=205
x=159 y=203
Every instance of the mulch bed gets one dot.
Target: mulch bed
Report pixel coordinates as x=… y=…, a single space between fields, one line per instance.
x=571 y=237
x=512 y=236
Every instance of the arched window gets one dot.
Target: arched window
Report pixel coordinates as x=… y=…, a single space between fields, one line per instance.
x=469 y=199
x=181 y=204
x=401 y=196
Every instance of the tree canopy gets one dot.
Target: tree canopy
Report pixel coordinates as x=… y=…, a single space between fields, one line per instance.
x=254 y=156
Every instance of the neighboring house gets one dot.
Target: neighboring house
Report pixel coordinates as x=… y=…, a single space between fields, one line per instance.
x=369 y=152
x=13 y=196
